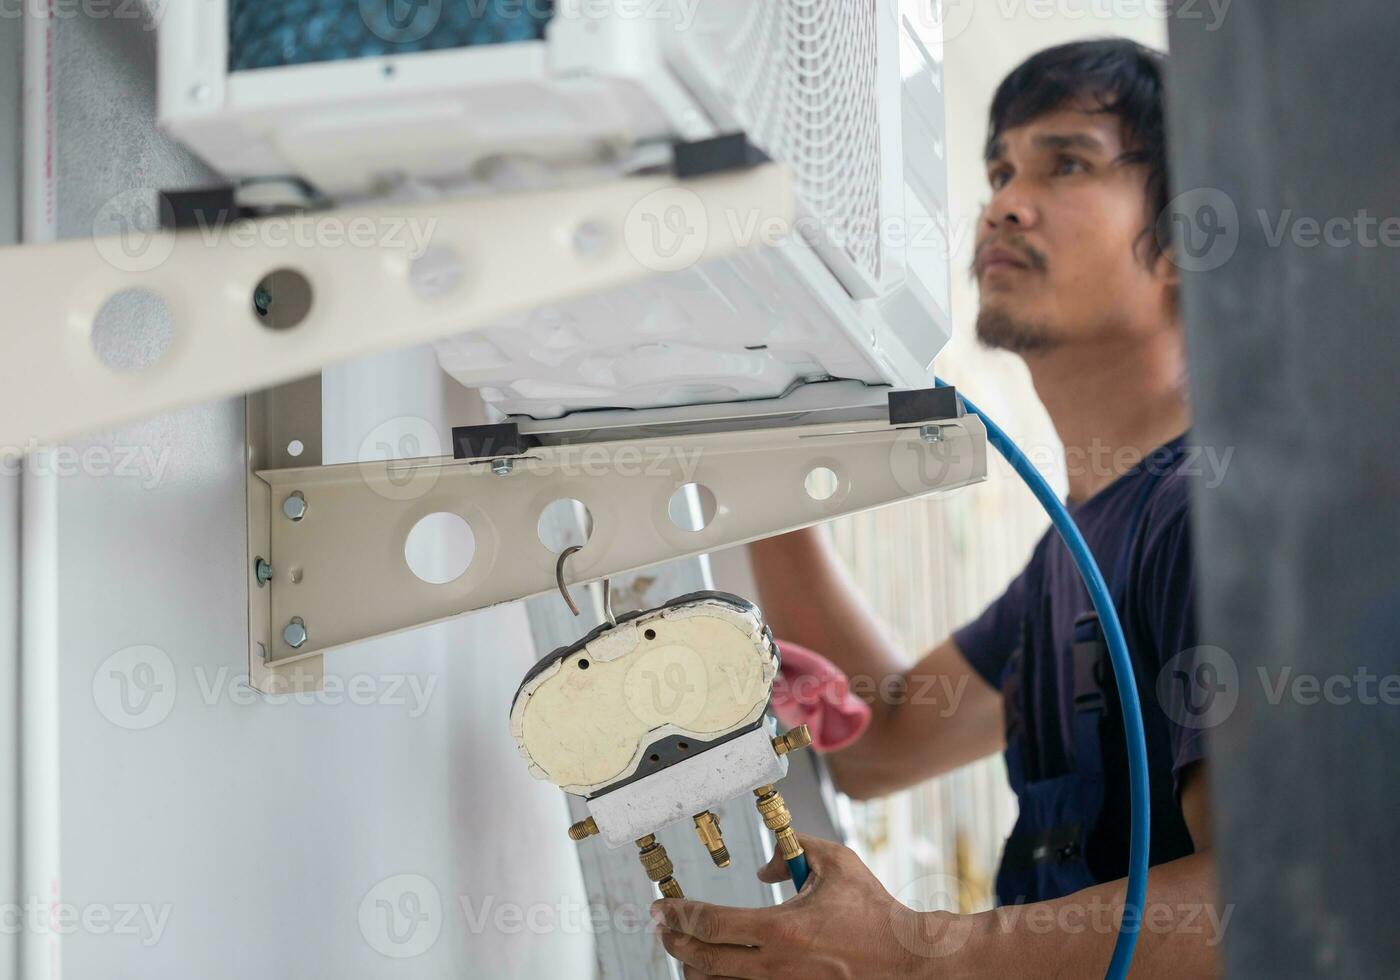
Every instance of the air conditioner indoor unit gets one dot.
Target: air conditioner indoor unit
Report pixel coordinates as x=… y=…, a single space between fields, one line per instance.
x=304 y=101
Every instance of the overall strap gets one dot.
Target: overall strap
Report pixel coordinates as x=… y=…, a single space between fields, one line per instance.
x=1093 y=683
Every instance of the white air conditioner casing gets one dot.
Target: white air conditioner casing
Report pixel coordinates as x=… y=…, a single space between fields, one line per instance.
x=846 y=92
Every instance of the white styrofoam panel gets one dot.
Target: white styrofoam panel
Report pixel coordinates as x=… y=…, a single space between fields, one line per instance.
x=739 y=329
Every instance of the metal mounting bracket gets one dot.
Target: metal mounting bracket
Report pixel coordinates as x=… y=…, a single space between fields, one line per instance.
x=335 y=536
x=283 y=429
x=375 y=279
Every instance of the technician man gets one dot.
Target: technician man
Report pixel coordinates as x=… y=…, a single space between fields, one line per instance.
x=1072 y=279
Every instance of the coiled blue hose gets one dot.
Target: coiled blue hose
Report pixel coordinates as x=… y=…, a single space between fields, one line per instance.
x=1123 y=676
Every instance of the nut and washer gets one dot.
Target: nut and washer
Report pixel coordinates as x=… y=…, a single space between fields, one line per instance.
x=294 y=507
x=295 y=635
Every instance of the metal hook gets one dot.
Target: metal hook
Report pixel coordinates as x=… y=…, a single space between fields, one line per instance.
x=564 y=589
x=607 y=602
x=559 y=576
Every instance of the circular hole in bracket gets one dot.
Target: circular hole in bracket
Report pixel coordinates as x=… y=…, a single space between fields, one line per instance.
x=583 y=665
x=132 y=331
x=565 y=523
x=692 y=507
x=650 y=634
x=440 y=548
x=282 y=299
x=822 y=483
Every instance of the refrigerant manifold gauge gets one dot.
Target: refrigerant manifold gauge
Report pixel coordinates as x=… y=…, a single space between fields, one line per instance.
x=661 y=718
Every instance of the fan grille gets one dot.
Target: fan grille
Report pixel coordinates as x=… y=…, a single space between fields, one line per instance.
x=803 y=76
x=277 y=33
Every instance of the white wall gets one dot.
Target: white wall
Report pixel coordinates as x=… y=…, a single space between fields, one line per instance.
x=10 y=32
x=265 y=839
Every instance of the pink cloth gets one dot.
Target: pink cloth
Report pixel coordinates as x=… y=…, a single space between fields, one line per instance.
x=810 y=690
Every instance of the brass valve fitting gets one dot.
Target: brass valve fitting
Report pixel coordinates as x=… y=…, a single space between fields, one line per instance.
x=707 y=826
x=798 y=738
x=658 y=866
x=777 y=819
x=583 y=830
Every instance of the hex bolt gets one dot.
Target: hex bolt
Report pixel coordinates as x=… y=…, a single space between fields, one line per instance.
x=295 y=634
x=294 y=507
x=263 y=571
x=931 y=433
x=502 y=467
x=592 y=238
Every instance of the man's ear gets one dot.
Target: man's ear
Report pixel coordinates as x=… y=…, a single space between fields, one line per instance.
x=1164 y=267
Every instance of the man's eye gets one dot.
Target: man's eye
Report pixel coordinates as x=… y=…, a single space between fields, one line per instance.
x=1069 y=165
x=998 y=179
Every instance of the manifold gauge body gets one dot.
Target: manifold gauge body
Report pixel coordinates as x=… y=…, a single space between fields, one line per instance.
x=655 y=719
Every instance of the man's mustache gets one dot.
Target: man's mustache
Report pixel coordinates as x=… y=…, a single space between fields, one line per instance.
x=1033 y=257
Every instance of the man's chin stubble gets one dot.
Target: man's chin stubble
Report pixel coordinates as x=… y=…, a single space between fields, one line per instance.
x=997 y=330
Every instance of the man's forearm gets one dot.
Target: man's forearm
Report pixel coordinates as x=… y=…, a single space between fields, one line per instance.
x=808 y=598
x=927 y=718
x=1182 y=927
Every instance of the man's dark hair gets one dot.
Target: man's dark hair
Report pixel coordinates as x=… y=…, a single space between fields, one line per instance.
x=1123 y=78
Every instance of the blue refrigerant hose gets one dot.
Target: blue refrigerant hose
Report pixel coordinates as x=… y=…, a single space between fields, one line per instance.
x=1123 y=677
x=797 y=867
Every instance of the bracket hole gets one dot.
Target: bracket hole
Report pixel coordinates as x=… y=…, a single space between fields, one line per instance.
x=683 y=746
x=692 y=507
x=565 y=523
x=583 y=665
x=132 y=331
x=655 y=758
x=440 y=548
x=295 y=448
x=650 y=634
x=282 y=299
x=822 y=483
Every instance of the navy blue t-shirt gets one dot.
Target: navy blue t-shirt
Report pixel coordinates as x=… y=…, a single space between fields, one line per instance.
x=1155 y=603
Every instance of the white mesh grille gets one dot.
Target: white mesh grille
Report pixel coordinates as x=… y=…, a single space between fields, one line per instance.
x=801 y=76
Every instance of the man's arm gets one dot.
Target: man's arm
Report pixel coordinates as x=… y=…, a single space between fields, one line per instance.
x=844 y=923
x=926 y=719
x=1182 y=923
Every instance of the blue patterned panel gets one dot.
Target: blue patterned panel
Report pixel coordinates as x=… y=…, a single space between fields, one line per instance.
x=275 y=33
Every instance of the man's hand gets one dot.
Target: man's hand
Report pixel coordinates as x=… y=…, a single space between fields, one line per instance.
x=842 y=924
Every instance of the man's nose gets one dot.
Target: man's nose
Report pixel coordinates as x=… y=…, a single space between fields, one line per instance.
x=1010 y=206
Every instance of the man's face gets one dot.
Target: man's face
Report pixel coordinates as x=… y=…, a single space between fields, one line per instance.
x=1060 y=256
